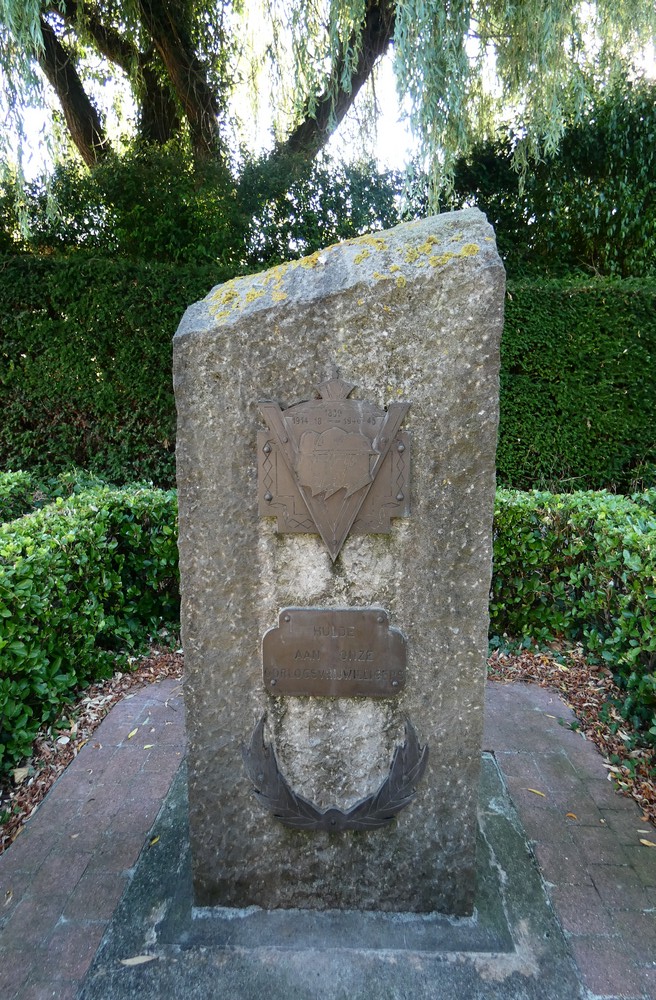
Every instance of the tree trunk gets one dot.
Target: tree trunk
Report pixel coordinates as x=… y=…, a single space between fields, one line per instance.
x=159 y=119
x=313 y=133
x=81 y=116
x=187 y=75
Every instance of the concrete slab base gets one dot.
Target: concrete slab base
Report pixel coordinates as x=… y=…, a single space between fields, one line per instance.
x=512 y=948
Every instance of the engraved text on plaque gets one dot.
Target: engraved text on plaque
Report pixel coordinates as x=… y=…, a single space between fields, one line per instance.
x=334 y=652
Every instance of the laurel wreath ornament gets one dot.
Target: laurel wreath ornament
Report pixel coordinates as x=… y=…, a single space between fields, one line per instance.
x=292 y=810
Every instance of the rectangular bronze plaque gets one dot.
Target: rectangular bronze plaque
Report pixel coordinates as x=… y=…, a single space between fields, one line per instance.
x=334 y=653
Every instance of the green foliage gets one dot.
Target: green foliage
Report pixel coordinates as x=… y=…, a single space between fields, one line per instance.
x=90 y=578
x=181 y=64
x=85 y=354
x=583 y=566
x=85 y=372
x=82 y=582
x=150 y=205
x=327 y=204
x=16 y=491
x=589 y=206
x=21 y=492
x=147 y=205
x=578 y=385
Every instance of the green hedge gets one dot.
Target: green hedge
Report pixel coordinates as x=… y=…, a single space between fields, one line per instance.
x=578 y=386
x=16 y=494
x=85 y=363
x=23 y=492
x=89 y=578
x=85 y=373
x=583 y=566
x=82 y=582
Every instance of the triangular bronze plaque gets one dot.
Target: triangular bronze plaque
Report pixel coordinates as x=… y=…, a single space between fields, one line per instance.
x=333 y=448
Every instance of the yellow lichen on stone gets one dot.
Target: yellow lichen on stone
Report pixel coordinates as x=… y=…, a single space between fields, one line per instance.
x=381 y=277
x=427 y=246
x=401 y=282
x=377 y=242
x=255 y=293
x=438 y=260
x=277 y=295
x=413 y=255
x=394 y=267
x=226 y=294
x=469 y=250
x=364 y=253
x=309 y=262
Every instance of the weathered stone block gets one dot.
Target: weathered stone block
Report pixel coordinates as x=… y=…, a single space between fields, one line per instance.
x=414 y=314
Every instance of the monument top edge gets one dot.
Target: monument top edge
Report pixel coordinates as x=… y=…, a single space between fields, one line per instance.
x=397 y=257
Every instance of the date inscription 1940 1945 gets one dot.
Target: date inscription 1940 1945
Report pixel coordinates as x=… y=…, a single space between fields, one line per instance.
x=334 y=652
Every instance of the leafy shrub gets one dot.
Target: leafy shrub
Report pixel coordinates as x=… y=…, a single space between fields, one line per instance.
x=92 y=576
x=21 y=492
x=589 y=207
x=82 y=582
x=578 y=386
x=16 y=491
x=85 y=364
x=583 y=566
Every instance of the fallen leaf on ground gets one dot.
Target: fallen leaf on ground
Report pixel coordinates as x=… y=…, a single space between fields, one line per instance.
x=571 y=816
x=149 y=746
x=133 y=733
x=154 y=841
x=138 y=959
x=647 y=843
x=20 y=774
x=536 y=792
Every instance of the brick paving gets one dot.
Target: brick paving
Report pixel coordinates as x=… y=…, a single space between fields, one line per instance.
x=66 y=872
x=64 y=875
x=601 y=880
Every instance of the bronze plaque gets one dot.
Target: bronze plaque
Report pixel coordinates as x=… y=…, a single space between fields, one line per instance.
x=333 y=465
x=334 y=653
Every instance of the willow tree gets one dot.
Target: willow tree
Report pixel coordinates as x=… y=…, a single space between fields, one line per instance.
x=182 y=60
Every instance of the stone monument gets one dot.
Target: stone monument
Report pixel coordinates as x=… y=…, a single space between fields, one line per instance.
x=337 y=421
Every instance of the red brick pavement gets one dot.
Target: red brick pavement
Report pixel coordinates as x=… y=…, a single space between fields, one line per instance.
x=601 y=880
x=64 y=875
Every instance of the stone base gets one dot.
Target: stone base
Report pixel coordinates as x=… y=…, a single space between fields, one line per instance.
x=511 y=948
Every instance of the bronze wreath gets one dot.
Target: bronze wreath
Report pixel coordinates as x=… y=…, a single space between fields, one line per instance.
x=292 y=810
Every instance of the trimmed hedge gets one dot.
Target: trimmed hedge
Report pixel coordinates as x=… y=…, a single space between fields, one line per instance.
x=16 y=494
x=85 y=363
x=578 y=386
x=82 y=582
x=87 y=579
x=85 y=373
x=22 y=492
x=583 y=566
